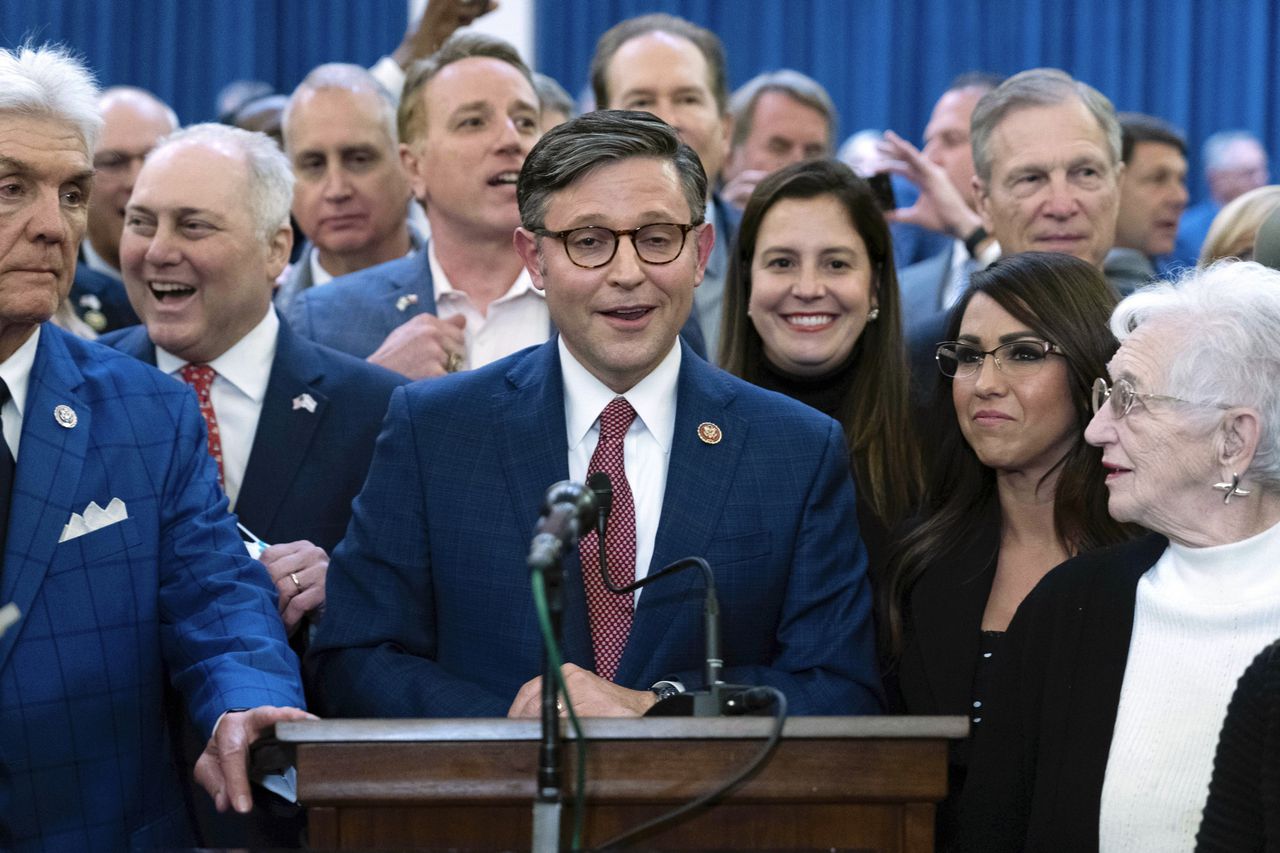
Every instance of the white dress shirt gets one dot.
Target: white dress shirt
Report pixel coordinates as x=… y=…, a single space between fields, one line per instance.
x=647 y=447
x=517 y=319
x=237 y=394
x=16 y=373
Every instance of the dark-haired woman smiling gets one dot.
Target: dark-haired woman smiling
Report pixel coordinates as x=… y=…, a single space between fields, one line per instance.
x=811 y=310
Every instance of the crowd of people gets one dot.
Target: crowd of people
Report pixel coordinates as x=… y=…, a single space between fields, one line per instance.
x=1010 y=450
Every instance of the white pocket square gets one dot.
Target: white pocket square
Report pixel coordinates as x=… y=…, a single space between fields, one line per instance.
x=94 y=518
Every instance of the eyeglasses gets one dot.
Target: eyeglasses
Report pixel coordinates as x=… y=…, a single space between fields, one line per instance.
x=1122 y=395
x=117 y=161
x=594 y=246
x=958 y=360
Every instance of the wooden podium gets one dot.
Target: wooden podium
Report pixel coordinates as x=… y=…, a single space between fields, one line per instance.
x=850 y=783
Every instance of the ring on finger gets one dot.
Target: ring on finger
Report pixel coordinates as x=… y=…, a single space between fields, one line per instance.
x=293 y=576
x=454 y=362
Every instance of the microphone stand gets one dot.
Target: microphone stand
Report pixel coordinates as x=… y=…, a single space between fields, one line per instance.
x=547 y=803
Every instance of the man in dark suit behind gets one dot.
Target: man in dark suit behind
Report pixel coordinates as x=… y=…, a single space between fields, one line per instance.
x=675 y=69
x=430 y=611
x=119 y=552
x=206 y=234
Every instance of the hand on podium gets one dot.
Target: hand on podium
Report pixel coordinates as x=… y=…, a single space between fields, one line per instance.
x=592 y=696
x=223 y=767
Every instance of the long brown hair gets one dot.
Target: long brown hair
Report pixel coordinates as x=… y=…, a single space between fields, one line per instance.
x=874 y=409
x=1065 y=301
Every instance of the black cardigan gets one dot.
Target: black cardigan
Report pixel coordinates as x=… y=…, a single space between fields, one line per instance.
x=1035 y=781
x=1243 y=811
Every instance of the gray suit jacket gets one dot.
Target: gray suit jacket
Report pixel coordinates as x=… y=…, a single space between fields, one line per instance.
x=922 y=285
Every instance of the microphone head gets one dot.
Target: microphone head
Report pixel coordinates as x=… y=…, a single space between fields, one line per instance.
x=602 y=486
x=581 y=498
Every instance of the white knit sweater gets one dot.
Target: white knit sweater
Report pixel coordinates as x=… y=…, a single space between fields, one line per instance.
x=1201 y=616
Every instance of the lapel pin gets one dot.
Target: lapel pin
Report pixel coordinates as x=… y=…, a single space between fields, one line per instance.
x=304 y=401
x=709 y=433
x=65 y=416
x=405 y=301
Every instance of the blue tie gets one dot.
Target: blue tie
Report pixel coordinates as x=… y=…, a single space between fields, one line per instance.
x=6 y=477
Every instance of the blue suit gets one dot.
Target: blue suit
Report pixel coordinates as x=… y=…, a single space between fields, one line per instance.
x=100 y=300
x=168 y=593
x=429 y=605
x=354 y=313
x=305 y=467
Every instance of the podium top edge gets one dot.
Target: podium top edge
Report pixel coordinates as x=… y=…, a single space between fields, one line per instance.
x=671 y=728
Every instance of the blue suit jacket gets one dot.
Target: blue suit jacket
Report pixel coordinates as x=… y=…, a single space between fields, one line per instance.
x=168 y=593
x=429 y=605
x=94 y=291
x=354 y=313
x=305 y=467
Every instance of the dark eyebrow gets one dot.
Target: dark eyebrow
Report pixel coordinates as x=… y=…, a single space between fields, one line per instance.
x=1004 y=339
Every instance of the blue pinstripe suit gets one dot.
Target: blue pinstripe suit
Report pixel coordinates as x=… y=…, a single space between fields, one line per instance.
x=429 y=605
x=107 y=617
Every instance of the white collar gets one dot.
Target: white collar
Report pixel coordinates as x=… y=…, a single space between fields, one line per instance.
x=16 y=370
x=319 y=275
x=97 y=263
x=441 y=285
x=246 y=365
x=653 y=397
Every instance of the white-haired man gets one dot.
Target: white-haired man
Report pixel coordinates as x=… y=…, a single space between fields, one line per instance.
x=126 y=568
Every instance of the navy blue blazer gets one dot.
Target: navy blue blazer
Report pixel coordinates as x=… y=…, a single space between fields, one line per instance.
x=430 y=612
x=305 y=467
x=92 y=291
x=354 y=313
x=166 y=595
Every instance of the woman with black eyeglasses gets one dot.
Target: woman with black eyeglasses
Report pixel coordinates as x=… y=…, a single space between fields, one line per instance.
x=1017 y=490
x=1115 y=674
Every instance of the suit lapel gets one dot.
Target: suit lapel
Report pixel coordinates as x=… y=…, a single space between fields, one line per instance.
x=285 y=431
x=50 y=460
x=699 y=476
x=534 y=448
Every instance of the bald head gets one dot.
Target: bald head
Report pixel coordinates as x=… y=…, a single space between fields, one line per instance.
x=133 y=120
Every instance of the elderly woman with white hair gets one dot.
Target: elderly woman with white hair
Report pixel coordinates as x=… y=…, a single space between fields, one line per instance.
x=1117 y=669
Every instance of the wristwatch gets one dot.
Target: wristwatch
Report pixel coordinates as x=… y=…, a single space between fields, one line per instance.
x=974 y=240
x=665 y=690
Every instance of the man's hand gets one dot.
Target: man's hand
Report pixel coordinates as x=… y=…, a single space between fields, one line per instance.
x=298 y=570
x=940 y=206
x=439 y=21
x=421 y=346
x=223 y=767
x=739 y=190
x=591 y=695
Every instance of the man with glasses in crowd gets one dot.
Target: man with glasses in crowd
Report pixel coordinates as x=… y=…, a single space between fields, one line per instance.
x=613 y=232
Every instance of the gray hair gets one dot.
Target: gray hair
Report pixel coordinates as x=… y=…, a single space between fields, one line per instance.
x=1215 y=148
x=1037 y=87
x=348 y=77
x=578 y=147
x=552 y=96
x=411 y=117
x=47 y=81
x=270 y=175
x=796 y=86
x=1230 y=352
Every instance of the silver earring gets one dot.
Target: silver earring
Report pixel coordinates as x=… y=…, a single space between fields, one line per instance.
x=872 y=315
x=1232 y=489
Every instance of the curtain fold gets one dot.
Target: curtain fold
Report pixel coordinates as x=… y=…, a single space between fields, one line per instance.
x=187 y=50
x=1204 y=65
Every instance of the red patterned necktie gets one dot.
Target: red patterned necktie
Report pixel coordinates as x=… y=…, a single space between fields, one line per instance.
x=611 y=613
x=200 y=378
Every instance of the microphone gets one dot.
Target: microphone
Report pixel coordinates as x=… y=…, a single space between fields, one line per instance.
x=567 y=510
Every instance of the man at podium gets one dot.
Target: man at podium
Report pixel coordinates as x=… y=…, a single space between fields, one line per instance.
x=430 y=611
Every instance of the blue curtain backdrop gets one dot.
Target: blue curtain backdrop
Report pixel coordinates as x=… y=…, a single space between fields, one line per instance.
x=187 y=50
x=1203 y=65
